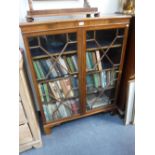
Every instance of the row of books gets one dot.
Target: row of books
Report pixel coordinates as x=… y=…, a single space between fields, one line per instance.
x=49 y=69
x=62 y=67
x=61 y=109
x=57 y=90
x=94 y=101
x=102 y=79
x=94 y=61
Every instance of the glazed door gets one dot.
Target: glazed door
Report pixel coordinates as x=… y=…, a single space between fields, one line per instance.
x=104 y=49
x=55 y=66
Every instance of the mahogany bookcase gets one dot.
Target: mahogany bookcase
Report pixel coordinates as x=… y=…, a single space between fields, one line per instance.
x=98 y=44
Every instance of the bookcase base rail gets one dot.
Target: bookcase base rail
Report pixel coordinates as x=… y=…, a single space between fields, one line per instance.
x=47 y=127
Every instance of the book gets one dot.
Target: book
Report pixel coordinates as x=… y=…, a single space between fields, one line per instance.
x=89 y=81
x=53 y=111
x=70 y=64
x=101 y=101
x=98 y=60
x=74 y=60
x=46 y=92
x=74 y=82
x=59 y=69
x=41 y=93
x=36 y=70
x=54 y=90
x=64 y=68
x=40 y=70
x=113 y=77
x=45 y=68
x=96 y=80
x=63 y=87
x=62 y=110
x=68 y=107
x=88 y=61
x=68 y=67
x=108 y=77
x=74 y=106
x=51 y=68
x=60 y=89
x=90 y=101
x=91 y=59
x=103 y=79
x=94 y=60
x=46 y=112
x=67 y=89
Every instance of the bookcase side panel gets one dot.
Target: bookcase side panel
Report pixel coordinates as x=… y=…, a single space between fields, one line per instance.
x=122 y=60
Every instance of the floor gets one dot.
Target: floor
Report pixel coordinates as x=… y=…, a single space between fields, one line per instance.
x=101 y=134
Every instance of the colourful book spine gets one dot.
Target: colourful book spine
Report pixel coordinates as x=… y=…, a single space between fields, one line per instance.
x=70 y=64
x=63 y=66
x=94 y=60
x=108 y=78
x=51 y=69
x=46 y=112
x=89 y=80
x=96 y=80
x=74 y=107
x=103 y=79
x=88 y=61
x=74 y=82
x=41 y=93
x=40 y=69
x=36 y=70
x=59 y=88
x=69 y=92
x=91 y=59
x=98 y=60
x=45 y=68
x=74 y=59
x=54 y=90
x=46 y=92
x=113 y=77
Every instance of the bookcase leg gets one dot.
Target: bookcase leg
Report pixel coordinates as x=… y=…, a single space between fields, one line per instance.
x=114 y=112
x=47 y=130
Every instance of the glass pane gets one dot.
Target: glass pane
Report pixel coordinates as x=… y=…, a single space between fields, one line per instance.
x=103 y=55
x=55 y=64
x=60 y=98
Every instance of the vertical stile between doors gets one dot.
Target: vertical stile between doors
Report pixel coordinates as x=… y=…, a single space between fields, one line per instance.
x=82 y=65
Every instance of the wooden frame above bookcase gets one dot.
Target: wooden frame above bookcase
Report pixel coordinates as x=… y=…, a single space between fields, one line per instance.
x=86 y=10
x=76 y=65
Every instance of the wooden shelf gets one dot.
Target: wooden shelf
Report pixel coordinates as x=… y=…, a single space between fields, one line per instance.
x=53 y=123
x=103 y=89
x=61 y=100
x=76 y=74
x=58 y=78
x=98 y=108
x=103 y=47
x=53 y=54
x=71 y=52
x=92 y=71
